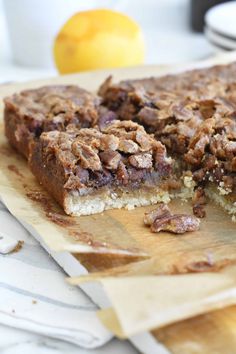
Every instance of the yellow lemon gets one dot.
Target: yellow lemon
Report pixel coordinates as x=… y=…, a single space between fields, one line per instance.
x=98 y=39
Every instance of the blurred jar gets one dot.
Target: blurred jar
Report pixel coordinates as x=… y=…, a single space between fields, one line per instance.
x=33 y=25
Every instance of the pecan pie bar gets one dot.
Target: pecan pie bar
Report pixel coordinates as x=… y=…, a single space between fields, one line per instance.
x=113 y=166
x=194 y=115
x=31 y=112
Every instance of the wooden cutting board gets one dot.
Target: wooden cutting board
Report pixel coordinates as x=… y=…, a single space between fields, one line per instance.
x=215 y=241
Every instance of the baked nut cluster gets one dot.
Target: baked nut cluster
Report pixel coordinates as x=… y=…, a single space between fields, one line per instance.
x=120 y=152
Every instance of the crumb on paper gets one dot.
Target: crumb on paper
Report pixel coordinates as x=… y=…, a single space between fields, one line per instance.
x=161 y=219
x=9 y=245
x=34 y=302
x=199 y=201
x=18 y=246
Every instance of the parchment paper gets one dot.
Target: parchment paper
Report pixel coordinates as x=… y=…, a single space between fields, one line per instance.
x=143 y=300
x=143 y=303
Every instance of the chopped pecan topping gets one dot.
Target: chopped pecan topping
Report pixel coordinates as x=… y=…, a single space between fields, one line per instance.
x=88 y=157
x=54 y=108
x=199 y=196
x=106 y=117
x=141 y=160
x=150 y=116
x=110 y=159
x=109 y=142
x=120 y=128
x=82 y=174
x=143 y=140
x=199 y=210
x=128 y=146
x=183 y=110
x=122 y=174
x=73 y=183
x=193 y=114
x=105 y=85
x=199 y=201
x=121 y=153
x=207 y=108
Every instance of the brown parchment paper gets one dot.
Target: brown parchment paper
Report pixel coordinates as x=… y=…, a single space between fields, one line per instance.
x=101 y=238
x=150 y=302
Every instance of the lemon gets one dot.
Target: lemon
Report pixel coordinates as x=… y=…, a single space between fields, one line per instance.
x=98 y=39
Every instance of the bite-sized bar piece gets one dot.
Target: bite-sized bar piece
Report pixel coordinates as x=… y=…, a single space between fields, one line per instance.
x=28 y=113
x=90 y=170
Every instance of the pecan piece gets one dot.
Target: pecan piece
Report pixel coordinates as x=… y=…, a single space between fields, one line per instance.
x=150 y=116
x=199 y=211
x=73 y=183
x=183 y=110
x=105 y=119
x=207 y=108
x=199 y=201
x=230 y=146
x=120 y=128
x=143 y=140
x=177 y=224
x=122 y=173
x=109 y=142
x=159 y=153
x=105 y=86
x=128 y=146
x=111 y=159
x=157 y=213
x=88 y=157
x=141 y=160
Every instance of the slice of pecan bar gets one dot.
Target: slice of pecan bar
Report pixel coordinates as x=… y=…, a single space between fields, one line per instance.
x=194 y=115
x=90 y=170
x=29 y=113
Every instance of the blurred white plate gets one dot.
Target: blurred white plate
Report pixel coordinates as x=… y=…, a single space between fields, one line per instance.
x=222 y=19
x=218 y=40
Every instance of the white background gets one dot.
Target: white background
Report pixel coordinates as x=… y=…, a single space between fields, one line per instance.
x=165 y=24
